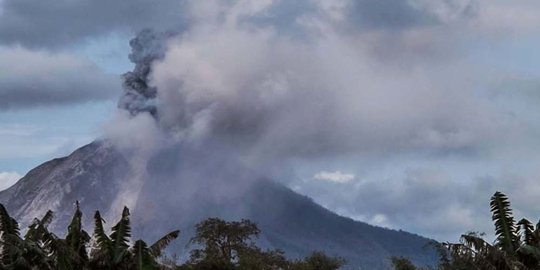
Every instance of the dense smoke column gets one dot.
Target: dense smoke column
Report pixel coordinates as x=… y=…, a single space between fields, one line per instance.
x=147 y=47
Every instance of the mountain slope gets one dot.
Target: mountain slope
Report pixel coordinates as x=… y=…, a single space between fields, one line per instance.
x=87 y=175
x=97 y=174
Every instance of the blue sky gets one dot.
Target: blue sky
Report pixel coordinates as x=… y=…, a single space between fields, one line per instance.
x=483 y=52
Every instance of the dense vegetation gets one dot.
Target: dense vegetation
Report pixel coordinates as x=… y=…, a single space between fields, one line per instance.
x=517 y=245
x=230 y=245
x=218 y=244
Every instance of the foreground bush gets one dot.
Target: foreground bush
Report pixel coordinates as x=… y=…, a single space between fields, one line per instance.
x=517 y=245
x=219 y=245
x=41 y=249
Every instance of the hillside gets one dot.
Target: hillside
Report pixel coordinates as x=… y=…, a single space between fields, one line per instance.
x=96 y=175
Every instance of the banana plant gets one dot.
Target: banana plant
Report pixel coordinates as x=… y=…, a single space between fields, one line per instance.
x=16 y=252
x=111 y=252
x=114 y=252
x=505 y=228
x=144 y=257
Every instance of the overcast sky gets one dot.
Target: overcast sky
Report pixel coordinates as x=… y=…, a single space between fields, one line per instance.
x=403 y=114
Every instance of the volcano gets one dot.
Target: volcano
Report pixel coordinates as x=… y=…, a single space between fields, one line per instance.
x=97 y=175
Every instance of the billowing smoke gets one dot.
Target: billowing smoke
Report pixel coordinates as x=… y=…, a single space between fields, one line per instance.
x=237 y=77
x=138 y=96
x=253 y=88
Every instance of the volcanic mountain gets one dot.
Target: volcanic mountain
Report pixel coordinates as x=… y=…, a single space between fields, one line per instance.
x=98 y=175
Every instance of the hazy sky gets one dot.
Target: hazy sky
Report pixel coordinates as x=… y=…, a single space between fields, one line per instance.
x=404 y=114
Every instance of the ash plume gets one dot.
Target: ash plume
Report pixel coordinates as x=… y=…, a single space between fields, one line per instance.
x=147 y=47
x=269 y=90
x=235 y=77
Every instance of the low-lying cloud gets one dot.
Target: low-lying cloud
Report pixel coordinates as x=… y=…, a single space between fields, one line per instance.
x=336 y=177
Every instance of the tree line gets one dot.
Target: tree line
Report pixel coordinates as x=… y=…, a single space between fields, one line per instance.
x=516 y=247
x=230 y=245
x=218 y=245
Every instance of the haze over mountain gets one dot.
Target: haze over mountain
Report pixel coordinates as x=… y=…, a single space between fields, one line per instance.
x=97 y=174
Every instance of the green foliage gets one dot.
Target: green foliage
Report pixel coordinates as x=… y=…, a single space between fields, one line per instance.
x=41 y=249
x=142 y=257
x=402 y=263
x=319 y=261
x=103 y=249
x=222 y=241
x=255 y=258
x=526 y=230
x=10 y=237
x=505 y=228
x=517 y=245
x=18 y=253
x=157 y=248
x=121 y=233
x=230 y=245
x=220 y=245
x=38 y=228
x=76 y=242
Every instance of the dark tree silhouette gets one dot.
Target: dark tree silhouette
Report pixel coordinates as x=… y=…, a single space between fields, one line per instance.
x=219 y=245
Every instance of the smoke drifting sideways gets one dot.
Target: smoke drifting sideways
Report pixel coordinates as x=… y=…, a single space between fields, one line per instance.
x=252 y=87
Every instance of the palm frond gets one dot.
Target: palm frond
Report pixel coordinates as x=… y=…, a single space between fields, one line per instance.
x=47 y=218
x=77 y=239
x=142 y=257
x=103 y=241
x=505 y=228
x=475 y=242
x=8 y=225
x=121 y=233
x=162 y=243
x=526 y=232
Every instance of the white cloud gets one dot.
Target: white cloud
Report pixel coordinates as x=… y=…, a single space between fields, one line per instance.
x=380 y=220
x=337 y=176
x=7 y=179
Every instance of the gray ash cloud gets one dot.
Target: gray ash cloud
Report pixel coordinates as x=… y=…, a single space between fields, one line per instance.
x=148 y=46
x=272 y=89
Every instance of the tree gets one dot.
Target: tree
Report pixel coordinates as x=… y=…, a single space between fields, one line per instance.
x=505 y=228
x=220 y=245
x=255 y=258
x=517 y=245
x=18 y=253
x=114 y=251
x=221 y=242
x=77 y=240
x=230 y=245
x=402 y=263
x=144 y=257
x=65 y=254
x=319 y=261
x=43 y=250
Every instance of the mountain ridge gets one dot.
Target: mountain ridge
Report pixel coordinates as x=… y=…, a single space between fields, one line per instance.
x=95 y=174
